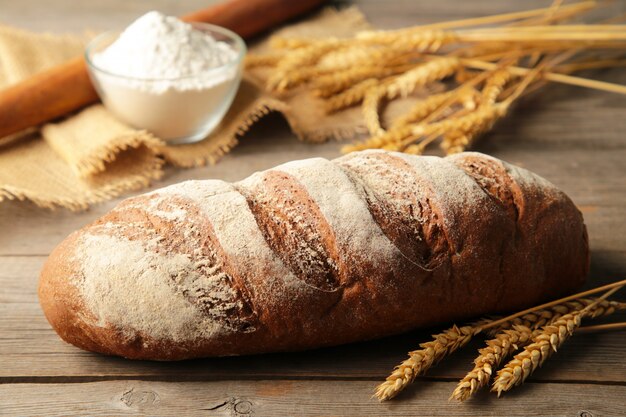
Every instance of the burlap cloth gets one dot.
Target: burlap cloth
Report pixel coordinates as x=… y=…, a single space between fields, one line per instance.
x=90 y=156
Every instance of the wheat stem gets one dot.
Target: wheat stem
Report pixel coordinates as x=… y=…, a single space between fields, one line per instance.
x=603 y=327
x=494 y=323
x=551 y=76
x=500 y=18
x=542 y=317
x=597 y=64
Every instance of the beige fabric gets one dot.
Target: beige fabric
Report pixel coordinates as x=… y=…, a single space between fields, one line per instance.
x=90 y=156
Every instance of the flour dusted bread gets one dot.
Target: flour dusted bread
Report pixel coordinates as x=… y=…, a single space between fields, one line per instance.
x=313 y=253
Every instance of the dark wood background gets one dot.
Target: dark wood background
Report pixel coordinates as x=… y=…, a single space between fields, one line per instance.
x=571 y=136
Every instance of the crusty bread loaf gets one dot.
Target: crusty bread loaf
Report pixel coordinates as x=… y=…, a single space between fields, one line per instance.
x=313 y=253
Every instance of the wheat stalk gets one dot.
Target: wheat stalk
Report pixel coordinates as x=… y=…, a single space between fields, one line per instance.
x=420 y=361
x=403 y=85
x=465 y=125
x=369 y=108
x=495 y=323
x=608 y=327
x=568 y=10
x=551 y=76
x=281 y=42
x=434 y=70
x=464 y=130
x=296 y=61
x=588 y=35
x=546 y=342
x=474 y=122
x=456 y=142
x=543 y=316
x=400 y=137
x=348 y=58
x=329 y=84
x=392 y=136
x=498 y=348
x=364 y=55
x=421 y=40
x=351 y=96
x=495 y=85
x=433 y=107
x=295 y=78
x=519 y=332
x=534 y=355
x=423 y=108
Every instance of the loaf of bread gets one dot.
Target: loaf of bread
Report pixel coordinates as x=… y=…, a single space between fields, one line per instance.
x=313 y=253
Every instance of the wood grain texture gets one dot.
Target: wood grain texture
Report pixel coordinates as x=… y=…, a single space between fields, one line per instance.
x=571 y=136
x=299 y=398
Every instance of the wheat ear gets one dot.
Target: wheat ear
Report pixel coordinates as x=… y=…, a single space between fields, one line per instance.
x=363 y=55
x=495 y=85
x=434 y=70
x=547 y=341
x=420 y=361
x=464 y=130
x=401 y=137
x=498 y=348
x=424 y=108
x=456 y=142
x=534 y=355
x=333 y=83
x=479 y=120
x=422 y=40
x=351 y=96
x=297 y=77
x=370 y=107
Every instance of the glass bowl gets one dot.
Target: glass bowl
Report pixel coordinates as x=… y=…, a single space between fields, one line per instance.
x=171 y=108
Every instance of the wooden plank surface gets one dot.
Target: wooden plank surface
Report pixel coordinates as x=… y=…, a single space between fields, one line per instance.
x=301 y=398
x=573 y=137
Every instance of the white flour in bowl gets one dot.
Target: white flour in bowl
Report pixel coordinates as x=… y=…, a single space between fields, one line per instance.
x=167 y=76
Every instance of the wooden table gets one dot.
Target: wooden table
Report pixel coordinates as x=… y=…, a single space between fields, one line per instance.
x=573 y=137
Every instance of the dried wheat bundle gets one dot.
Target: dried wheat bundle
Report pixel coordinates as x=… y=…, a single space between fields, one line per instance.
x=484 y=70
x=519 y=332
x=537 y=331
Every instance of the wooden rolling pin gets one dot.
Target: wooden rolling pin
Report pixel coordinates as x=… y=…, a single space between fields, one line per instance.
x=65 y=88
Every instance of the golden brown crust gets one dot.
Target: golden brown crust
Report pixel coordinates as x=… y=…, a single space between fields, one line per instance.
x=260 y=265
